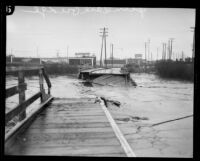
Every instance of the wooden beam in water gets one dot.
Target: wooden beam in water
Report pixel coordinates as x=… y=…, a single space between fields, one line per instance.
x=129 y=152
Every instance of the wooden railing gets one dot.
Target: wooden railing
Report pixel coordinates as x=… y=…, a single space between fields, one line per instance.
x=20 y=89
x=20 y=109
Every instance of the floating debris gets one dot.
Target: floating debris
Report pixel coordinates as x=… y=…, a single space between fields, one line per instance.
x=132 y=118
x=117 y=103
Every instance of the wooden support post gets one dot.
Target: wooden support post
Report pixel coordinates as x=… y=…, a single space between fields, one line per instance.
x=47 y=80
x=22 y=115
x=41 y=85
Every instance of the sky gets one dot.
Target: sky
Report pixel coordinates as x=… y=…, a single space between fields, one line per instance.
x=51 y=31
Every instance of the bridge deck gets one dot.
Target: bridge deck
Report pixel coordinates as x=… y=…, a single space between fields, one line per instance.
x=70 y=127
x=114 y=71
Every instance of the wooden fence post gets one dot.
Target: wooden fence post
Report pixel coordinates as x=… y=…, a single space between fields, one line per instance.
x=41 y=85
x=47 y=80
x=21 y=94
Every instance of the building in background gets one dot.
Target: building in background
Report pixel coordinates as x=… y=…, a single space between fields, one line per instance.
x=83 y=59
x=138 y=56
x=80 y=59
x=55 y=60
x=137 y=60
x=115 y=62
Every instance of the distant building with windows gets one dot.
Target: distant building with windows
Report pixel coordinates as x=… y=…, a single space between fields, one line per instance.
x=83 y=59
x=138 y=56
x=80 y=59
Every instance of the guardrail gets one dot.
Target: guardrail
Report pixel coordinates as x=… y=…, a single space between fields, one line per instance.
x=20 y=109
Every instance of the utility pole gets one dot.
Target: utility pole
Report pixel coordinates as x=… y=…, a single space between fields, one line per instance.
x=67 y=51
x=112 y=54
x=157 y=54
x=67 y=55
x=193 y=48
x=148 y=49
x=57 y=54
x=164 y=51
x=171 y=40
x=103 y=32
x=101 y=52
x=169 y=49
x=11 y=51
x=37 y=51
x=182 y=55
x=145 y=56
x=11 y=56
x=105 y=48
x=110 y=51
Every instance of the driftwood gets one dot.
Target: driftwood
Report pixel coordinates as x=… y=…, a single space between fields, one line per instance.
x=117 y=103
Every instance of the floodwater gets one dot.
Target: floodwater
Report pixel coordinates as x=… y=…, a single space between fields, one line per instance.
x=152 y=101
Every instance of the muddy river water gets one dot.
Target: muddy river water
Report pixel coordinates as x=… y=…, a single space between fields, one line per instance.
x=152 y=101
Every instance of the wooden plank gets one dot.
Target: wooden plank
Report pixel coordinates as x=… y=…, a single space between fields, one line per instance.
x=60 y=114
x=71 y=130
x=69 y=151
x=118 y=133
x=14 y=90
x=17 y=110
x=61 y=136
x=22 y=113
x=65 y=108
x=77 y=107
x=68 y=117
x=69 y=120
x=74 y=111
x=46 y=141
x=69 y=125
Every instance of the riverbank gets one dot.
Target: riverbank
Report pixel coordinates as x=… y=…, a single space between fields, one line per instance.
x=171 y=70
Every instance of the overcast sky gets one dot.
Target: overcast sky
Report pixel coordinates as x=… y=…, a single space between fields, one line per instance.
x=44 y=31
